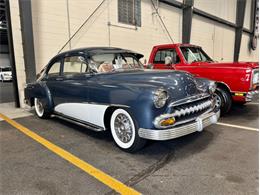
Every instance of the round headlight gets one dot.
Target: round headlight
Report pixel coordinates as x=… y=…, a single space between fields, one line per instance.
x=160 y=98
x=212 y=87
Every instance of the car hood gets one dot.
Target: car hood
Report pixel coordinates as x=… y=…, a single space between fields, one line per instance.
x=242 y=65
x=179 y=84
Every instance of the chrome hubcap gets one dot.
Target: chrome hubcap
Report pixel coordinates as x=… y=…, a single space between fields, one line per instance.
x=123 y=128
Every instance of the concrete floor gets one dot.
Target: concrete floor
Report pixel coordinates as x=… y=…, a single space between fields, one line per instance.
x=219 y=160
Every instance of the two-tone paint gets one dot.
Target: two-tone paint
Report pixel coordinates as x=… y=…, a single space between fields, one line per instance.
x=90 y=98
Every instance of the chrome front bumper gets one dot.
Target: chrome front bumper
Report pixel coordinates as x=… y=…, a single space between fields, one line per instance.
x=7 y=78
x=185 y=129
x=250 y=96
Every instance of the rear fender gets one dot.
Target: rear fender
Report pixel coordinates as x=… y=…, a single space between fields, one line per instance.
x=41 y=91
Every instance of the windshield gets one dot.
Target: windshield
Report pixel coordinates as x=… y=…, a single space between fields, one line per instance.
x=6 y=69
x=195 y=54
x=111 y=62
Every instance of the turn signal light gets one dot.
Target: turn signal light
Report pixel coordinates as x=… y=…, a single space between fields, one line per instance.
x=168 y=121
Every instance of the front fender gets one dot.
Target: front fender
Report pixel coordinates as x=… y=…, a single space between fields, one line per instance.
x=204 y=84
x=142 y=109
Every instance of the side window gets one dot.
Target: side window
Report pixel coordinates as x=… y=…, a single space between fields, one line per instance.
x=74 y=64
x=162 y=54
x=132 y=62
x=54 y=69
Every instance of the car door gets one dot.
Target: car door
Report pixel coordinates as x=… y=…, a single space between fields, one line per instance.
x=166 y=58
x=74 y=75
x=53 y=79
x=74 y=96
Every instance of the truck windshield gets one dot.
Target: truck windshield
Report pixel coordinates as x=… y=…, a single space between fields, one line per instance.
x=195 y=54
x=111 y=62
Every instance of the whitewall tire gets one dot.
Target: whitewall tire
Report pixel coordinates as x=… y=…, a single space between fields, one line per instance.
x=124 y=131
x=40 y=109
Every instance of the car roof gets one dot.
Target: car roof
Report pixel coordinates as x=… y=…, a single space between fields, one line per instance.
x=93 y=50
x=178 y=45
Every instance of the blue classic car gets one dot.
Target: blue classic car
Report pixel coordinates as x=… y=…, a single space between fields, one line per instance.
x=106 y=88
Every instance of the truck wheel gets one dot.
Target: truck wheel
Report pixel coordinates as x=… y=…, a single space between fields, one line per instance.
x=224 y=100
x=41 y=112
x=124 y=131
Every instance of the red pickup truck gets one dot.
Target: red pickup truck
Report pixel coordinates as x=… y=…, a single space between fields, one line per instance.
x=236 y=81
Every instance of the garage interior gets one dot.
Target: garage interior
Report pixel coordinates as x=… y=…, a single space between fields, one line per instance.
x=222 y=159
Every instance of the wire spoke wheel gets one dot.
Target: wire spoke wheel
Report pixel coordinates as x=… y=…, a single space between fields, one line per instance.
x=124 y=131
x=123 y=128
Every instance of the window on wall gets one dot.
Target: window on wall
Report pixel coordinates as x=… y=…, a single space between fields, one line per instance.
x=129 y=12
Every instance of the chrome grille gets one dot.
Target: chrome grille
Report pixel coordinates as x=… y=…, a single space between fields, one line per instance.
x=182 y=111
x=190 y=111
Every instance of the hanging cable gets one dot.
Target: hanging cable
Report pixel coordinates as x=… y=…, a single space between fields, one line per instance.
x=81 y=26
x=156 y=10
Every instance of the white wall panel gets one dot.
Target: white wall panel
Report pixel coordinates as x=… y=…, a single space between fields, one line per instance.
x=202 y=33
x=217 y=40
x=247 y=19
x=50 y=23
x=225 y=9
x=50 y=26
x=246 y=54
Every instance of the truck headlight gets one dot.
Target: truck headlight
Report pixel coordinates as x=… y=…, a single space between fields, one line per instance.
x=160 y=98
x=212 y=87
x=255 y=77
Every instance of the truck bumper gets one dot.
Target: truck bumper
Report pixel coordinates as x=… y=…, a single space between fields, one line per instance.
x=185 y=129
x=252 y=95
x=244 y=97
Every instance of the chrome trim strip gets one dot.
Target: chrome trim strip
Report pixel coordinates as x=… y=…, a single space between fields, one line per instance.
x=79 y=122
x=117 y=105
x=198 y=125
x=189 y=99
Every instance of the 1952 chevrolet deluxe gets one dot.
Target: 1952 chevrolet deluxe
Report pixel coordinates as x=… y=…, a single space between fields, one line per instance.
x=107 y=88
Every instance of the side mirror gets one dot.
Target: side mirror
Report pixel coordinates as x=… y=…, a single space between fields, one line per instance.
x=168 y=60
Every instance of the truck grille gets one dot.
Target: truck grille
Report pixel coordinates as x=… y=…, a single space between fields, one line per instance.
x=190 y=111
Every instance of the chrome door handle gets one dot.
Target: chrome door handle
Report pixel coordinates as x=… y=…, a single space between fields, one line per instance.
x=59 y=79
